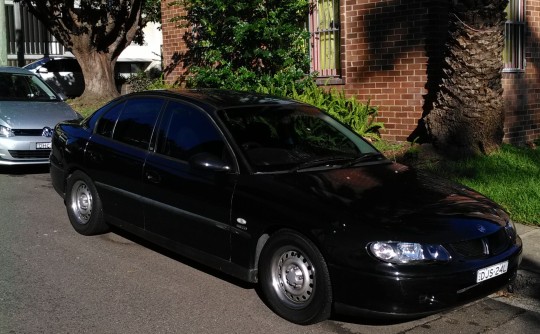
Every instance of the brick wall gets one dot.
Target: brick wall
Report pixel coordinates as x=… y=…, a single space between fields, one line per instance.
x=173 y=40
x=522 y=89
x=388 y=50
x=390 y=54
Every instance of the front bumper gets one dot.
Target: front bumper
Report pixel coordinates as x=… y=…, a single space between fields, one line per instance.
x=405 y=297
x=23 y=150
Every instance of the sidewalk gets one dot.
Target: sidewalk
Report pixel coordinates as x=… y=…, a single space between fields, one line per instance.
x=527 y=286
x=531 y=247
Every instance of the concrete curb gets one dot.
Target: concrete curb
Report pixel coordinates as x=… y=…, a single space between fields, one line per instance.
x=526 y=294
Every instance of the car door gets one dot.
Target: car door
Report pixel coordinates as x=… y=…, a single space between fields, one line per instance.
x=188 y=205
x=115 y=157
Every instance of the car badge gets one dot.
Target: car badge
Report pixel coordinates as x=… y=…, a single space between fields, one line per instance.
x=481 y=228
x=47 y=132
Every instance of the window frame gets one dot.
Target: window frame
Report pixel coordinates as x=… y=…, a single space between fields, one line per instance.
x=325 y=41
x=514 y=37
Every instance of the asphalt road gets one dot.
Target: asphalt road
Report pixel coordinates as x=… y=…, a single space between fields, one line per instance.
x=53 y=280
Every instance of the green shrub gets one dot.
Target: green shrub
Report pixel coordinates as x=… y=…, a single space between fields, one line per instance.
x=147 y=81
x=358 y=116
x=261 y=46
x=231 y=39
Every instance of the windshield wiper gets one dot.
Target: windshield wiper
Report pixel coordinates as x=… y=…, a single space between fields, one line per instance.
x=322 y=162
x=371 y=156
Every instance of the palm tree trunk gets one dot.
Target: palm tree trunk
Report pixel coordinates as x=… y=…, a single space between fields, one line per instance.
x=468 y=114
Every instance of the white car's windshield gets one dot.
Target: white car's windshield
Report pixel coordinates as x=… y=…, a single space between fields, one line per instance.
x=278 y=139
x=22 y=87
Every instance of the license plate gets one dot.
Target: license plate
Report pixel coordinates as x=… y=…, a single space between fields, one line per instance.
x=43 y=145
x=492 y=271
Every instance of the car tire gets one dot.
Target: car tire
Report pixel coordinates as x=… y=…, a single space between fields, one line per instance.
x=83 y=205
x=294 y=278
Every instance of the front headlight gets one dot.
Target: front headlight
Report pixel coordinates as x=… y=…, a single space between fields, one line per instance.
x=511 y=230
x=408 y=252
x=6 y=132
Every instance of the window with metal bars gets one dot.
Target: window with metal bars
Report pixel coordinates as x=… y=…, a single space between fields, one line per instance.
x=324 y=44
x=514 y=34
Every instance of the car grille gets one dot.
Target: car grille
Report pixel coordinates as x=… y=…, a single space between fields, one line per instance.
x=27 y=132
x=492 y=244
x=30 y=154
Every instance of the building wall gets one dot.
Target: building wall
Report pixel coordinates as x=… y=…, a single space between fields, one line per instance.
x=522 y=89
x=173 y=40
x=391 y=52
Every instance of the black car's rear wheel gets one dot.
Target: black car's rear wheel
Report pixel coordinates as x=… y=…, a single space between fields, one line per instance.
x=84 y=206
x=294 y=278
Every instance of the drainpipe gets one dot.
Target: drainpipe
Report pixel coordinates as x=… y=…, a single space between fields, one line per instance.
x=19 y=37
x=3 y=34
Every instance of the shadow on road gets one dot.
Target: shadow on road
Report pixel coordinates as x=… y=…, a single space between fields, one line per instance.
x=528 y=280
x=353 y=319
x=196 y=265
x=24 y=170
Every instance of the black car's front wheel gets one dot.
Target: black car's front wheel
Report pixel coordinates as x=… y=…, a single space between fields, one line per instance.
x=83 y=205
x=294 y=278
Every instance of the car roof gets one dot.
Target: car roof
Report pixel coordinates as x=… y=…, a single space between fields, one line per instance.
x=54 y=58
x=222 y=99
x=16 y=70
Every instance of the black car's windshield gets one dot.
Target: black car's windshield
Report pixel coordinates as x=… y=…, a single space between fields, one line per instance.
x=294 y=139
x=23 y=87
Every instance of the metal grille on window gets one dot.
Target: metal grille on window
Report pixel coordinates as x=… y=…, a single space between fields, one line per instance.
x=324 y=31
x=514 y=33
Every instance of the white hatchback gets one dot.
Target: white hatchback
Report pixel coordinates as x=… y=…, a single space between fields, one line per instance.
x=29 y=110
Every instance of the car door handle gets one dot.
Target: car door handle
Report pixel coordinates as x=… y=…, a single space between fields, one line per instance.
x=94 y=156
x=153 y=177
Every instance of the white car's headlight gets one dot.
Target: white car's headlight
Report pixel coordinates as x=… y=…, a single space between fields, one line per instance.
x=6 y=132
x=408 y=252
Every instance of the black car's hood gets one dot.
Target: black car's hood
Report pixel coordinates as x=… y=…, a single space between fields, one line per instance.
x=383 y=197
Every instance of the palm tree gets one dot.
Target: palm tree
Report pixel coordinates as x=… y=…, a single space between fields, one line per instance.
x=468 y=114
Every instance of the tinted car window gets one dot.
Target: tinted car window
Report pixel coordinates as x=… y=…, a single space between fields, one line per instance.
x=186 y=132
x=137 y=121
x=105 y=126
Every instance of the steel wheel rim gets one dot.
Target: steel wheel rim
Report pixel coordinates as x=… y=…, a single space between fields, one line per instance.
x=81 y=202
x=293 y=277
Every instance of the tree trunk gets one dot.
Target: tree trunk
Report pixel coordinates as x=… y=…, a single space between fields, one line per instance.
x=468 y=114
x=96 y=32
x=98 y=70
x=99 y=79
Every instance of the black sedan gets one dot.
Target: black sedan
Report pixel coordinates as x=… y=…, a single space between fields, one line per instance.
x=277 y=192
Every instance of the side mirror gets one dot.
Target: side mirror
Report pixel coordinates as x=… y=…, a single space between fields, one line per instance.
x=43 y=70
x=62 y=96
x=208 y=161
